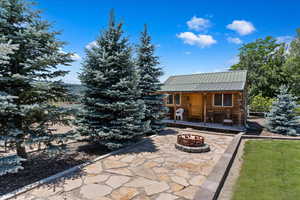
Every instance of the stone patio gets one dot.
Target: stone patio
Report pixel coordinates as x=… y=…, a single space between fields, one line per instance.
x=153 y=170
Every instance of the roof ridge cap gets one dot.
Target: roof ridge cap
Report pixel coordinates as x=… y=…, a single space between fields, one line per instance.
x=210 y=73
x=208 y=82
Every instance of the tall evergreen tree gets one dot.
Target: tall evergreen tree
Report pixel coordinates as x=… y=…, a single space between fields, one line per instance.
x=26 y=78
x=111 y=113
x=282 y=118
x=149 y=83
x=8 y=109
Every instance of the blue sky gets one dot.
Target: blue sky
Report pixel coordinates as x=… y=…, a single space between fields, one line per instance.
x=191 y=36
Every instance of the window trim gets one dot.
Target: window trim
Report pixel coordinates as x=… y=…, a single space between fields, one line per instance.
x=167 y=103
x=179 y=99
x=213 y=99
x=173 y=104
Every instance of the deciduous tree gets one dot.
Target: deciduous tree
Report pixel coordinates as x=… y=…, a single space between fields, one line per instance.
x=264 y=60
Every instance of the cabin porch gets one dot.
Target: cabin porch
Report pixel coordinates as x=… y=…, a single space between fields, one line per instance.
x=207 y=109
x=206 y=125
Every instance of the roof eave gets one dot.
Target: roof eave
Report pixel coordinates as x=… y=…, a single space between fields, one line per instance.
x=238 y=90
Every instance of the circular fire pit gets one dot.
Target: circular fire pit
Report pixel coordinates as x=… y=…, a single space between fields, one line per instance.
x=191 y=143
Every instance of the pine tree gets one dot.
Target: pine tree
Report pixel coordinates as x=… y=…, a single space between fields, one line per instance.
x=111 y=114
x=149 y=83
x=10 y=164
x=26 y=79
x=282 y=118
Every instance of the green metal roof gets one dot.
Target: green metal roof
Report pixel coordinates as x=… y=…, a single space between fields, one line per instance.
x=217 y=81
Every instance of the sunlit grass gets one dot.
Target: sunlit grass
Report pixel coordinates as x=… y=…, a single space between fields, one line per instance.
x=270 y=171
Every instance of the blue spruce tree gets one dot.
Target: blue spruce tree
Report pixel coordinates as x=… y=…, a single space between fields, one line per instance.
x=282 y=118
x=26 y=79
x=111 y=112
x=10 y=164
x=149 y=83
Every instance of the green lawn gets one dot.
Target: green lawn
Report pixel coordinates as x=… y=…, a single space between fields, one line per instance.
x=271 y=171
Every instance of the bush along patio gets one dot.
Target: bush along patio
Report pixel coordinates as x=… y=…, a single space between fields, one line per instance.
x=270 y=170
x=283 y=118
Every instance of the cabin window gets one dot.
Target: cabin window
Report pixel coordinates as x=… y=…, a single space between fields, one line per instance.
x=223 y=100
x=173 y=99
x=227 y=99
x=177 y=99
x=170 y=99
x=218 y=100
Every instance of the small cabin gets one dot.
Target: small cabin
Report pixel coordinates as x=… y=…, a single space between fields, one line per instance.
x=218 y=98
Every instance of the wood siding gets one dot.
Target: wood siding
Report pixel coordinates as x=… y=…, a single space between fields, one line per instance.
x=235 y=112
x=198 y=105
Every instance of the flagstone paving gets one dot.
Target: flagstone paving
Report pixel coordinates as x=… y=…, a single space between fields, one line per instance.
x=153 y=170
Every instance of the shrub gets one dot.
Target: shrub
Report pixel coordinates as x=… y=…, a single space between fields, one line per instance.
x=261 y=104
x=282 y=117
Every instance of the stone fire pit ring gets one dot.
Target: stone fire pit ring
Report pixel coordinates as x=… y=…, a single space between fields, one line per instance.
x=191 y=143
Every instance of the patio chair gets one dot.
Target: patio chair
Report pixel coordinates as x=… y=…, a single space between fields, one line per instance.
x=179 y=114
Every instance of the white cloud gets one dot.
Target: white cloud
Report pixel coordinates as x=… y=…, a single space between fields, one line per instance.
x=91 y=45
x=187 y=53
x=234 y=40
x=242 y=27
x=198 y=40
x=75 y=57
x=198 y=24
x=286 y=39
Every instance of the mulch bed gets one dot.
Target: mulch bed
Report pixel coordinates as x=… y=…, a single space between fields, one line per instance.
x=258 y=127
x=40 y=166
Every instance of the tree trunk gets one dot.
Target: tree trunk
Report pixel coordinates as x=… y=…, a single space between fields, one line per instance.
x=21 y=151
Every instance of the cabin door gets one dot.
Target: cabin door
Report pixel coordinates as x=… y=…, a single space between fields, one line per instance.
x=196 y=107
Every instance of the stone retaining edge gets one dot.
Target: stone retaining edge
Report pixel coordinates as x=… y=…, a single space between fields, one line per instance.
x=270 y=137
x=211 y=187
x=68 y=171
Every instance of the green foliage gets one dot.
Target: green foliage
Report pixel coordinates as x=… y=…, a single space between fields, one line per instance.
x=292 y=66
x=10 y=164
x=6 y=49
x=263 y=59
x=149 y=83
x=261 y=104
x=271 y=64
x=297 y=110
x=26 y=74
x=282 y=117
x=112 y=111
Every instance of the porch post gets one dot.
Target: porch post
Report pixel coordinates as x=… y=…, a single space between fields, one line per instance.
x=204 y=107
x=174 y=106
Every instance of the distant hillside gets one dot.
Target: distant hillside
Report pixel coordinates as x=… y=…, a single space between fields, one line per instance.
x=76 y=90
